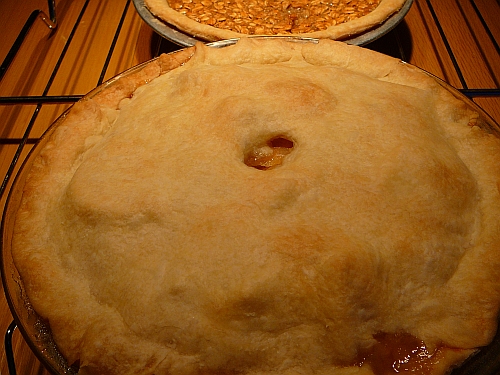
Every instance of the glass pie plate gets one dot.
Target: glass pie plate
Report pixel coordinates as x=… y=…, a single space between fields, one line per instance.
x=183 y=39
x=36 y=332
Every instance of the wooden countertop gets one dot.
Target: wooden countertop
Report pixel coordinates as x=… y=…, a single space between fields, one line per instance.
x=471 y=28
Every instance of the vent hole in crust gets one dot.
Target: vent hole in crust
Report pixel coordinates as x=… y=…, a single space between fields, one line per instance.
x=269 y=154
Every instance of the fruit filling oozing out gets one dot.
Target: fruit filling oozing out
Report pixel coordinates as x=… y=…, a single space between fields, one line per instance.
x=269 y=154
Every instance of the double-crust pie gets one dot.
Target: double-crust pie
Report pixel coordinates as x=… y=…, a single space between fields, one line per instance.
x=227 y=19
x=271 y=207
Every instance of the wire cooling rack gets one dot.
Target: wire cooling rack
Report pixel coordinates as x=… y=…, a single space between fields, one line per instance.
x=45 y=99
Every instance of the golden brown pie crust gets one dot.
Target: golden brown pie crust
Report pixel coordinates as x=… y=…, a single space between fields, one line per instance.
x=163 y=252
x=163 y=11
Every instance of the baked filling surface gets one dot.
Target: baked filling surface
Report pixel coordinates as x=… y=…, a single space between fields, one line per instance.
x=270 y=207
x=271 y=17
x=225 y=19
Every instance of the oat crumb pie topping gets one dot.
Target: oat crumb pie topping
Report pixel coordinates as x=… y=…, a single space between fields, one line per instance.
x=226 y=19
x=267 y=208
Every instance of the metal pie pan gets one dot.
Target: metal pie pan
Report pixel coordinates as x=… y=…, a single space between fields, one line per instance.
x=182 y=39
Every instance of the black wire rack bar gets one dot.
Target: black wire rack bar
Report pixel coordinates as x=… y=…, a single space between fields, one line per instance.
x=472 y=93
x=49 y=20
x=485 y=26
x=476 y=93
x=15 y=141
x=447 y=45
x=113 y=43
x=9 y=352
x=40 y=99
